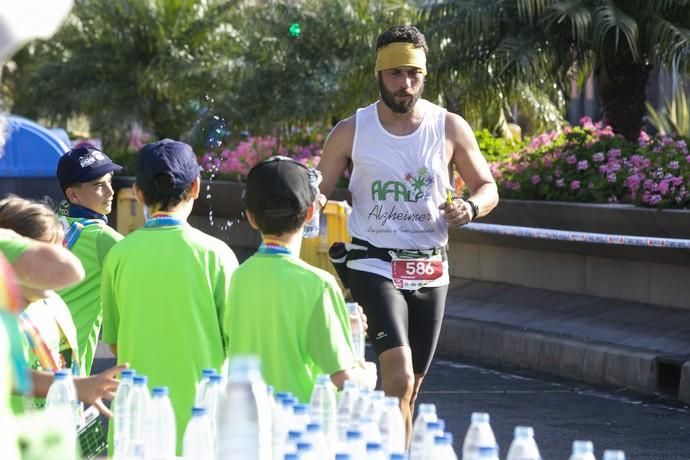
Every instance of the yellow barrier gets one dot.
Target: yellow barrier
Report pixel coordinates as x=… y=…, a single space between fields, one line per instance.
x=130 y=214
x=315 y=250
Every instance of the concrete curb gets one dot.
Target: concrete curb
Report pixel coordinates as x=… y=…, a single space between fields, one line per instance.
x=568 y=357
x=684 y=390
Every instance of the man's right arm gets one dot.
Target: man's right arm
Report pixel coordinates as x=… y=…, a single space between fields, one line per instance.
x=45 y=266
x=364 y=375
x=337 y=152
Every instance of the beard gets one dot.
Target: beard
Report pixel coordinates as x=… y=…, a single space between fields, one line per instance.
x=388 y=98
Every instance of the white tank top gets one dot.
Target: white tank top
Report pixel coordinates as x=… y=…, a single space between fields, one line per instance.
x=397 y=185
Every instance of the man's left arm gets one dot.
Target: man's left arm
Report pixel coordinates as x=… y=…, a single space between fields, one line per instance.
x=474 y=171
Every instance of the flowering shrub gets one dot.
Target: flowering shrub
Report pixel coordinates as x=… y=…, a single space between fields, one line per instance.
x=235 y=163
x=588 y=163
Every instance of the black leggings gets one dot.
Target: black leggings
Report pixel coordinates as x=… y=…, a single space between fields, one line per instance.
x=399 y=317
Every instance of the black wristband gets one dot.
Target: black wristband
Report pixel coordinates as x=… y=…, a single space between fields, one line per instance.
x=475 y=208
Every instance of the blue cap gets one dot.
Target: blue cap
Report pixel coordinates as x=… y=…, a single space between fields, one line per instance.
x=168 y=157
x=128 y=373
x=160 y=391
x=198 y=411
x=84 y=164
x=140 y=379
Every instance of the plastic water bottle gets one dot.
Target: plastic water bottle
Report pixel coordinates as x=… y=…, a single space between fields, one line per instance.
x=433 y=429
x=357 y=329
x=523 y=447
x=317 y=438
x=614 y=455
x=354 y=444
x=345 y=405
x=361 y=405
x=300 y=417
x=62 y=392
x=443 y=448
x=392 y=426
x=137 y=410
x=376 y=404
x=478 y=435
x=323 y=407
x=213 y=399
x=201 y=387
x=582 y=450
x=375 y=451
x=426 y=413
x=120 y=416
x=305 y=451
x=162 y=433
x=244 y=429
x=198 y=441
x=311 y=228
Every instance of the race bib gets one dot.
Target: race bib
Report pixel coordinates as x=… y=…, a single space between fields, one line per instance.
x=413 y=274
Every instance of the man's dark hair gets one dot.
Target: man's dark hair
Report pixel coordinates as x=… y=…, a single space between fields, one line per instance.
x=163 y=196
x=272 y=225
x=406 y=33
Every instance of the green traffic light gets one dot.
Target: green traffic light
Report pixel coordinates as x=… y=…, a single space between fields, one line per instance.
x=295 y=30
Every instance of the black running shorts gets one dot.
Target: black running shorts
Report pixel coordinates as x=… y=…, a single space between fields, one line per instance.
x=399 y=317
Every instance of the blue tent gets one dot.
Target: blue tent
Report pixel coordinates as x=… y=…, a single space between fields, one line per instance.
x=30 y=150
x=29 y=160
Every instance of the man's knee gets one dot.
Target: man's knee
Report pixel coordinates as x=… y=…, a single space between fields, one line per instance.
x=400 y=384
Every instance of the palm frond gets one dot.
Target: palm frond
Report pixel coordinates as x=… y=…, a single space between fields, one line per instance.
x=577 y=13
x=609 y=19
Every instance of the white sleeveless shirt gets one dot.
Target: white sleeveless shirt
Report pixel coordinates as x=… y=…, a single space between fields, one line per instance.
x=397 y=185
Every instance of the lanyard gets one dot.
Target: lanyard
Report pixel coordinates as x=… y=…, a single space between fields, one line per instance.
x=273 y=248
x=163 y=220
x=75 y=230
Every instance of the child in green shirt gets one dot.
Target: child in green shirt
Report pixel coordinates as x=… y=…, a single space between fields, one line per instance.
x=289 y=313
x=85 y=175
x=165 y=286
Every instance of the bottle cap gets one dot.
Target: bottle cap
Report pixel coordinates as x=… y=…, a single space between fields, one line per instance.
x=322 y=379
x=614 y=455
x=374 y=447
x=299 y=409
x=61 y=374
x=127 y=374
x=159 y=391
x=198 y=411
x=342 y=456
x=427 y=408
x=353 y=434
x=313 y=427
x=140 y=380
x=480 y=417
x=215 y=378
x=582 y=447
x=207 y=372
x=304 y=446
x=524 y=432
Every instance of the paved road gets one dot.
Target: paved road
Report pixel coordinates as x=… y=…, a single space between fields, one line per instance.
x=560 y=411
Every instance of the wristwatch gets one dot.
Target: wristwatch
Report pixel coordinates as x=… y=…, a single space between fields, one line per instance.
x=475 y=208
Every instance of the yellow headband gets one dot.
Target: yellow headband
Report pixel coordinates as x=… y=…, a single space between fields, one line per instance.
x=400 y=54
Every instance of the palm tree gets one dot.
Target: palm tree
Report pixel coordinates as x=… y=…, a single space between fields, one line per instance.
x=545 y=43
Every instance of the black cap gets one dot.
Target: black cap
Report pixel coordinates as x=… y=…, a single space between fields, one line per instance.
x=283 y=178
x=84 y=164
x=173 y=158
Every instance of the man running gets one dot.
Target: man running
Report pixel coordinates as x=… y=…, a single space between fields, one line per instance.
x=401 y=148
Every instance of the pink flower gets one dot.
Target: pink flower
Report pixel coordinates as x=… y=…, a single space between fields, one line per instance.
x=574 y=185
x=535 y=179
x=560 y=183
x=611 y=177
x=654 y=199
x=582 y=165
x=571 y=159
x=599 y=156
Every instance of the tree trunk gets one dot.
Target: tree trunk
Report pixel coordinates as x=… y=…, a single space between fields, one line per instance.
x=623 y=90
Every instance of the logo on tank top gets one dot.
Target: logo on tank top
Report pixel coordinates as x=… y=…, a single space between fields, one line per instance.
x=413 y=189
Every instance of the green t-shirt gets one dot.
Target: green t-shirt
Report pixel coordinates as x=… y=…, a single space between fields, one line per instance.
x=84 y=299
x=164 y=291
x=13 y=247
x=293 y=316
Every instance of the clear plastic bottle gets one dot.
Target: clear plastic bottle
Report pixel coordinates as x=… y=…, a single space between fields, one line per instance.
x=523 y=447
x=213 y=400
x=375 y=451
x=354 y=444
x=311 y=228
x=345 y=405
x=392 y=426
x=443 y=448
x=162 y=432
x=357 y=329
x=305 y=451
x=323 y=407
x=361 y=405
x=137 y=409
x=62 y=392
x=315 y=435
x=376 y=404
x=206 y=374
x=582 y=450
x=120 y=416
x=433 y=429
x=300 y=417
x=479 y=434
x=198 y=441
x=244 y=429
x=425 y=413
x=613 y=455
